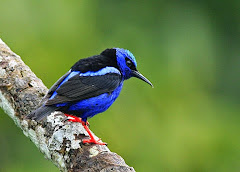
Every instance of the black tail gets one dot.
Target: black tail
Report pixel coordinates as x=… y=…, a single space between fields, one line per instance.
x=41 y=112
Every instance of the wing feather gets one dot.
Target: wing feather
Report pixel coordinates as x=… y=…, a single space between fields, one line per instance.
x=54 y=87
x=78 y=87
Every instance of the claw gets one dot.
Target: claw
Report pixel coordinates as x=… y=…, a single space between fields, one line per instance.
x=92 y=139
x=85 y=125
x=99 y=141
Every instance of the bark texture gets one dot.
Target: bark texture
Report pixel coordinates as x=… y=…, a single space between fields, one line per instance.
x=60 y=141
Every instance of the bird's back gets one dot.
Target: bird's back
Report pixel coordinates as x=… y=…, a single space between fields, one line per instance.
x=97 y=62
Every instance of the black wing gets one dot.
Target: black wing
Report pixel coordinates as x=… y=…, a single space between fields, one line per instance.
x=56 y=84
x=82 y=87
x=54 y=87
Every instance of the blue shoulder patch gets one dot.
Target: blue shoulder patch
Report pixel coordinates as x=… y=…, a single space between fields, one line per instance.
x=103 y=71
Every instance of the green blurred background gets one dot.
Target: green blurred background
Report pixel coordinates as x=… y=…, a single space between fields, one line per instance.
x=188 y=49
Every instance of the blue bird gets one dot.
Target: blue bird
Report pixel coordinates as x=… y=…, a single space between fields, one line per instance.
x=90 y=87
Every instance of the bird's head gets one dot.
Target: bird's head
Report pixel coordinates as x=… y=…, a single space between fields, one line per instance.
x=128 y=65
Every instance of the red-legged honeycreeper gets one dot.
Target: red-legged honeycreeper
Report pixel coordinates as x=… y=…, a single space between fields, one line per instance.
x=90 y=87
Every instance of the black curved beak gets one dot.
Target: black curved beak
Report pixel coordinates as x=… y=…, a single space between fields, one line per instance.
x=137 y=74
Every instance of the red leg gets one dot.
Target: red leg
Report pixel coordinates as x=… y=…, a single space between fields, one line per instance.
x=75 y=119
x=92 y=139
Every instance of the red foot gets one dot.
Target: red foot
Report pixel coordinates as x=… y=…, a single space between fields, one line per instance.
x=99 y=142
x=92 y=139
x=75 y=119
x=85 y=125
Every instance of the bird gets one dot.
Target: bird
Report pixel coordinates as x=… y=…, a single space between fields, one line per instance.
x=90 y=87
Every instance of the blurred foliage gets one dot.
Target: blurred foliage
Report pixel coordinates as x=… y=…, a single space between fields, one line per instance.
x=188 y=49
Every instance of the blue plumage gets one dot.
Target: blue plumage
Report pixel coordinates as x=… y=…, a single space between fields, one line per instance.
x=94 y=105
x=91 y=86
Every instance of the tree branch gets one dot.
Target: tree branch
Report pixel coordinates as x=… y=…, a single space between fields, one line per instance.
x=60 y=141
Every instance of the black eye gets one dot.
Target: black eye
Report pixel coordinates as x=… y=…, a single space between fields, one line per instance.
x=129 y=63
